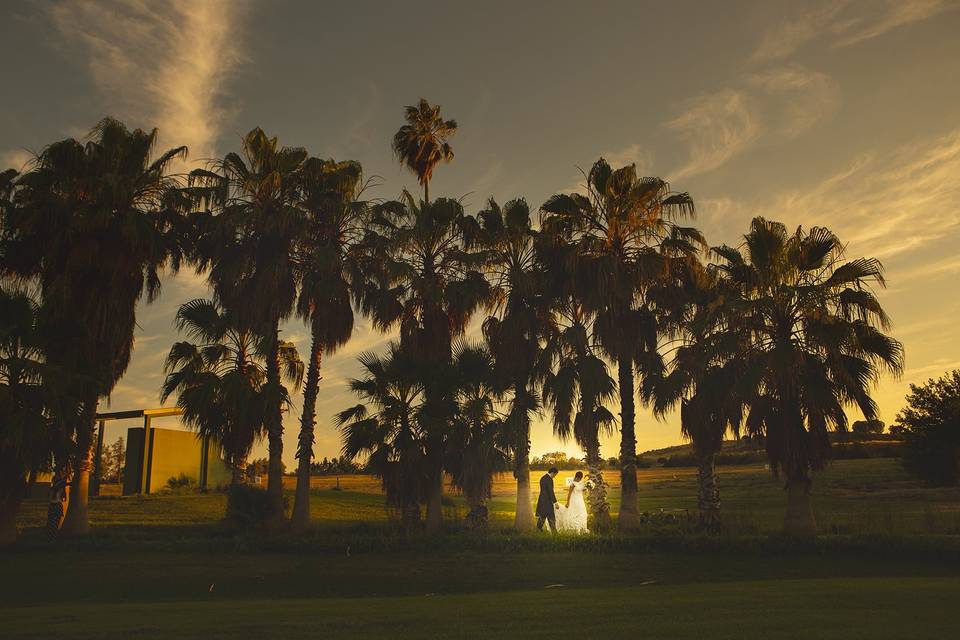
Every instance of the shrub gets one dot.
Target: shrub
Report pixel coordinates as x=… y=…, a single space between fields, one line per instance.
x=182 y=481
x=250 y=506
x=931 y=430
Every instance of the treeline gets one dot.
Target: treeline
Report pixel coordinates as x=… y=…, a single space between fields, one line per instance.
x=588 y=303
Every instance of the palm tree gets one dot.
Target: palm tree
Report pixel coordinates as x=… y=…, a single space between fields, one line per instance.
x=220 y=380
x=514 y=328
x=93 y=225
x=622 y=230
x=704 y=377
x=332 y=271
x=479 y=443
x=576 y=384
x=24 y=445
x=421 y=144
x=430 y=286
x=250 y=225
x=387 y=428
x=816 y=345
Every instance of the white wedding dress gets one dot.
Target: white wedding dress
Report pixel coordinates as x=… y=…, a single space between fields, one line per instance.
x=573 y=519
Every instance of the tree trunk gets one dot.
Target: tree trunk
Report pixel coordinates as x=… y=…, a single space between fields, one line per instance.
x=77 y=520
x=478 y=517
x=435 y=505
x=523 y=520
x=275 y=429
x=600 y=520
x=12 y=489
x=301 y=504
x=708 y=493
x=629 y=511
x=799 y=521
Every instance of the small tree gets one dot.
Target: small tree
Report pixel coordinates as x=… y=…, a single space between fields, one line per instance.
x=930 y=426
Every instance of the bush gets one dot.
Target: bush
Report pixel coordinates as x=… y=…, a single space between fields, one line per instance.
x=931 y=430
x=180 y=482
x=249 y=506
x=864 y=450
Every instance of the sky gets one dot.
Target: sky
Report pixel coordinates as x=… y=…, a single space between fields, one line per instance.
x=841 y=114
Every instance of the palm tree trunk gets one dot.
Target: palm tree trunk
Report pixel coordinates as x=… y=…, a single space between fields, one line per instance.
x=478 y=517
x=77 y=520
x=600 y=521
x=799 y=520
x=12 y=489
x=629 y=511
x=523 y=520
x=301 y=504
x=275 y=428
x=708 y=494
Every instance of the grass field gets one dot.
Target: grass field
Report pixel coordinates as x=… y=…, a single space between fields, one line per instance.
x=858 y=497
x=887 y=566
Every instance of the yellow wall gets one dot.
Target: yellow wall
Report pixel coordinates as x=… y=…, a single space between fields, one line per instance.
x=172 y=453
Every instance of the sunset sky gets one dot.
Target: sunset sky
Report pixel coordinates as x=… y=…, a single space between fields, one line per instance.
x=844 y=114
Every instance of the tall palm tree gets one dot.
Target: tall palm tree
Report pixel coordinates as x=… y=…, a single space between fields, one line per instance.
x=422 y=144
x=816 y=345
x=479 y=443
x=622 y=229
x=24 y=445
x=331 y=264
x=387 y=428
x=514 y=329
x=250 y=225
x=219 y=381
x=93 y=225
x=704 y=377
x=430 y=286
x=576 y=384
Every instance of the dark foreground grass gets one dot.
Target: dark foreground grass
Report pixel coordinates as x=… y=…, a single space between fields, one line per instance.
x=476 y=595
x=887 y=565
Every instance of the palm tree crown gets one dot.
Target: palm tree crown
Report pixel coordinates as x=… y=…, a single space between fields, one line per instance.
x=816 y=344
x=421 y=144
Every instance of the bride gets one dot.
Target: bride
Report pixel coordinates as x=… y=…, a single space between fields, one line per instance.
x=572 y=518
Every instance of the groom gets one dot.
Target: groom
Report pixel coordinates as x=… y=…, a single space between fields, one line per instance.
x=547 y=502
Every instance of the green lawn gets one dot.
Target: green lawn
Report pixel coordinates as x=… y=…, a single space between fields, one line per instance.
x=887 y=566
x=475 y=595
x=859 y=497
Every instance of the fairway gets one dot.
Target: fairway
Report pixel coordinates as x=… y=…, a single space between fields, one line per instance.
x=541 y=595
x=162 y=566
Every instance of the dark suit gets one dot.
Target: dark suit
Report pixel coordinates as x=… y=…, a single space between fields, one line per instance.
x=545 y=508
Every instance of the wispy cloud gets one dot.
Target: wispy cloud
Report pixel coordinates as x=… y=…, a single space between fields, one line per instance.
x=772 y=106
x=716 y=127
x=160 y=64
x=842 y=23
x=885 y=205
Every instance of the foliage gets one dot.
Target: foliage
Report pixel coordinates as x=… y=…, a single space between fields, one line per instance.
x=112 y=460
x=866 y=427
x=387 y=429
x=422 y=143
x=249 y=223
x=931 y=430
x=816 y=345
x=605 y=248
x=91 y=226
x=220 y=382
x=251 y=507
